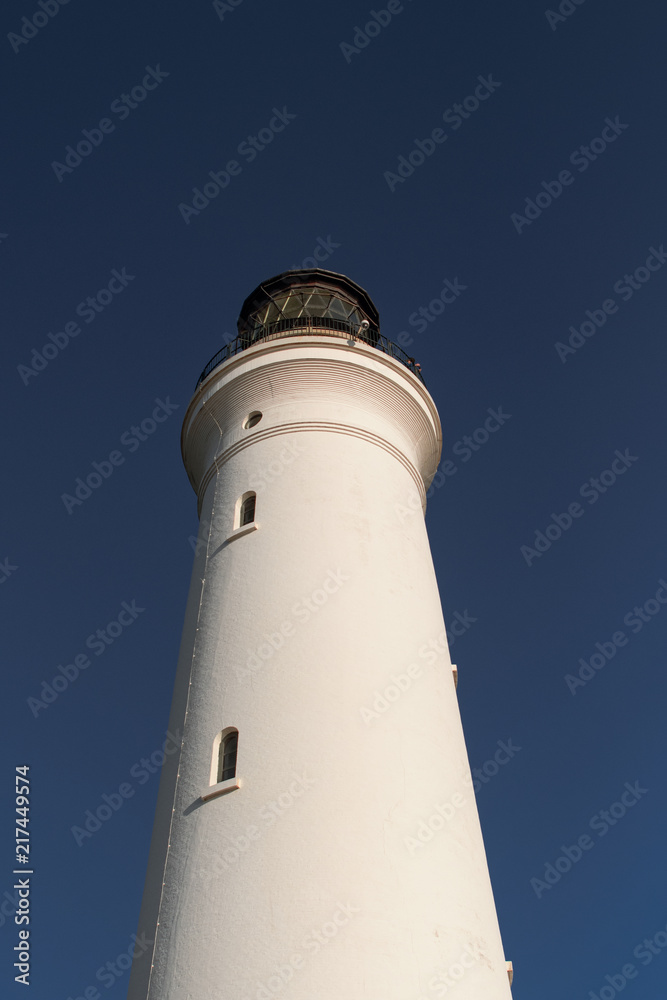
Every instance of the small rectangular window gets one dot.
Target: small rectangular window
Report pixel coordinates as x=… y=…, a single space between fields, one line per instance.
x=227 y=760
x=248 y=510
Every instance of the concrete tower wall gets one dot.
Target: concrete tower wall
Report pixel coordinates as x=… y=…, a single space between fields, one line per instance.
x=317 y=877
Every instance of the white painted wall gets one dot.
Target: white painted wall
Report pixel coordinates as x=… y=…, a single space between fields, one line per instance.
x=348 y=439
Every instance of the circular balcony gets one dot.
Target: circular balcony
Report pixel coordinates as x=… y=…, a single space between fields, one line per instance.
x=315 y=301
x=323 y=325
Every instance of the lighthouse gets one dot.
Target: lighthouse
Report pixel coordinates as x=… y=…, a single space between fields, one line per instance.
x=316 y=834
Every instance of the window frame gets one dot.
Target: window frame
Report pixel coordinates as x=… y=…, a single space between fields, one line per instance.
x=217 y=787
x=240 y=504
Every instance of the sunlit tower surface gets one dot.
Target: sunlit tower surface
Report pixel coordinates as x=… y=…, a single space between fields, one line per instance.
x=317 y=836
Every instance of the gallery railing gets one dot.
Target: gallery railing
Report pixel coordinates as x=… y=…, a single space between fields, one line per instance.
x=320 y=324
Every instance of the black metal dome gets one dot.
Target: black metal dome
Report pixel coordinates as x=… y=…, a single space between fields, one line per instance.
x=301 y=299
x=313 y=293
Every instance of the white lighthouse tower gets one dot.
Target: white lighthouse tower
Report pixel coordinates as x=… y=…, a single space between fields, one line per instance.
x=316 y=837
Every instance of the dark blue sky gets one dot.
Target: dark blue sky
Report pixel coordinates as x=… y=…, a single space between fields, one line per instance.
x=583 y=95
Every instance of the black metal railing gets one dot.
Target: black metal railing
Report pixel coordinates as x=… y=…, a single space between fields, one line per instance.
x=321 y=324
